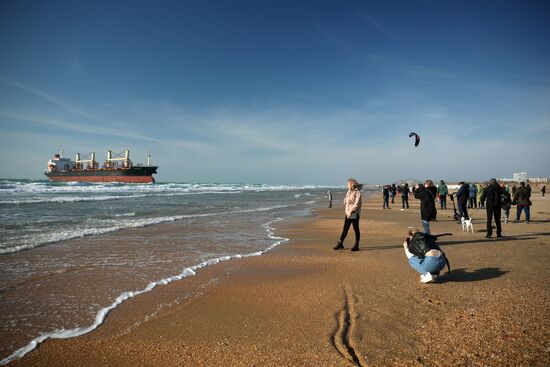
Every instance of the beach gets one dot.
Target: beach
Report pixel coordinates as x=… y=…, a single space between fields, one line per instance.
x=304 y=304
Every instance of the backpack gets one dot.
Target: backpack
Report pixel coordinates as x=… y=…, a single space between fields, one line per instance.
x=420 y=243
x=505 y=201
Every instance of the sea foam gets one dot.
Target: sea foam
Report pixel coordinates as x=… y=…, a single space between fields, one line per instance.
x=43 y=239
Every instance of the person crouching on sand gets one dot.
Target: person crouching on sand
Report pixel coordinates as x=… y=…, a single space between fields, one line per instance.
x=427 y=258
x=352 y=206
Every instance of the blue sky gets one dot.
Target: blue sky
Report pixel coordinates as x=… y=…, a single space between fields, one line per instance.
x=296 y=92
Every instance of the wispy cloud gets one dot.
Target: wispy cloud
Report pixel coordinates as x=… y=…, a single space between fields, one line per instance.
x=377 y=26
x=66 y=106
x=68 y=126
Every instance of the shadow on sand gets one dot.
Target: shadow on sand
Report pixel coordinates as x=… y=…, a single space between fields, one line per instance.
x=461 y=275
x=530 y=236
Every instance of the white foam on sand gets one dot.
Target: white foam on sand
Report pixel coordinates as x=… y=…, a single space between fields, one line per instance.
x=102 y=314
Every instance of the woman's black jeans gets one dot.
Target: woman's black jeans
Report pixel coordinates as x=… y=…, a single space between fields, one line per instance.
x=347 y=223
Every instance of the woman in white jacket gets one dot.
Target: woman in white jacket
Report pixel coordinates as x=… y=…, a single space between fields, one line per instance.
x=352 y=205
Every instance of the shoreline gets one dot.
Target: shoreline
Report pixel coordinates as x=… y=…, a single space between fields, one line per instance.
x=125 y=296
x=289 y=306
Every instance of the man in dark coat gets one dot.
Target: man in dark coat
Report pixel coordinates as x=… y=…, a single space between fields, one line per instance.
x=405 y=195
x=522 y=198
x=492 y=197
x=428 y=212
x=462 y=199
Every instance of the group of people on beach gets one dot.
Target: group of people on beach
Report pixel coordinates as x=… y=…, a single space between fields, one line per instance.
x=421 y=249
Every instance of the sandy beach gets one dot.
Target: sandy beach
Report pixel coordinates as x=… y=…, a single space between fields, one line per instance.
x=304 y=304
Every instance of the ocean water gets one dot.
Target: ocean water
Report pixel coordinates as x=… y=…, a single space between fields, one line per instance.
x=71 y=252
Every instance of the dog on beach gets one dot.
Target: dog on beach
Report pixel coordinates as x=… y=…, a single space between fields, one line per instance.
x=467 y=224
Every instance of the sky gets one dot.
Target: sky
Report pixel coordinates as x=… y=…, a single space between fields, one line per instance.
x=279 y=92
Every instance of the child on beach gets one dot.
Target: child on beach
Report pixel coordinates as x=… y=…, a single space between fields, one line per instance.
x=352 y=204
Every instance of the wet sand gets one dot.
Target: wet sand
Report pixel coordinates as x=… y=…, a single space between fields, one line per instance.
x=304 y=304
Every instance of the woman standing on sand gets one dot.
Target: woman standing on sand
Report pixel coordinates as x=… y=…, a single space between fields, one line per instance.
x=352 y=207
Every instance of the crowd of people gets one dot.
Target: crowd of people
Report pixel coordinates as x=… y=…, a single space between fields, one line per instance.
x=467 y=195
x=421 y=249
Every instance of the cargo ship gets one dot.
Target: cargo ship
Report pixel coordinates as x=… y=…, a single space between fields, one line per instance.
x=117 y=168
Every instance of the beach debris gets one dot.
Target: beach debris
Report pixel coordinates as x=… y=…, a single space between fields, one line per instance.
x=416 y=138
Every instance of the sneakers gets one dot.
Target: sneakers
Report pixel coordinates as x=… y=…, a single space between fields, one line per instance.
x=339 y=246
x=426 y=278
x=355 y=248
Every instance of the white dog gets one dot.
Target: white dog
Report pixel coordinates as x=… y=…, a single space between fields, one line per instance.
x=467 y=224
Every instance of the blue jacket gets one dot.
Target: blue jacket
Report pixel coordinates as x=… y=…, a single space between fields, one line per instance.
x=462 y=194
x=473 y=191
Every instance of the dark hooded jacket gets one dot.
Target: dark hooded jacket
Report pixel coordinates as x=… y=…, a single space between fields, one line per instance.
x=522 y=196
x=492 y=195
x=462 y=194
x=427 y=203
x=405 y=190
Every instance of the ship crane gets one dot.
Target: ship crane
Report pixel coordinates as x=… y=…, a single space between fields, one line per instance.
x=127 y=163
x=92 y=164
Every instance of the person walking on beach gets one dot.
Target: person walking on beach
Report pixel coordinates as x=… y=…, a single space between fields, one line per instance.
x=428 y=212
x=352 y=208
x=480 y=190
x=405 y=195
x=394 y=192
x=493 y=199
x=542 y=191
x=329 y=193
x=472 y=195
x=462 y=199
x=443 y=191
x=505 y=202
x=386 y=196
x=522 y=198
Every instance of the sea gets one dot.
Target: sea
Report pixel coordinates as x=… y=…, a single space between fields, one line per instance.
x=72 y=252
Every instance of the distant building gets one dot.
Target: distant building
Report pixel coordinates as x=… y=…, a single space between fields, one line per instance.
x=520 y=176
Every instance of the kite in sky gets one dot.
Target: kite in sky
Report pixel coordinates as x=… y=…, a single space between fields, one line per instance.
x=416 y=138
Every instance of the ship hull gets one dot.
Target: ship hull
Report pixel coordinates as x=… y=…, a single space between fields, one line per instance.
x=131 y=175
